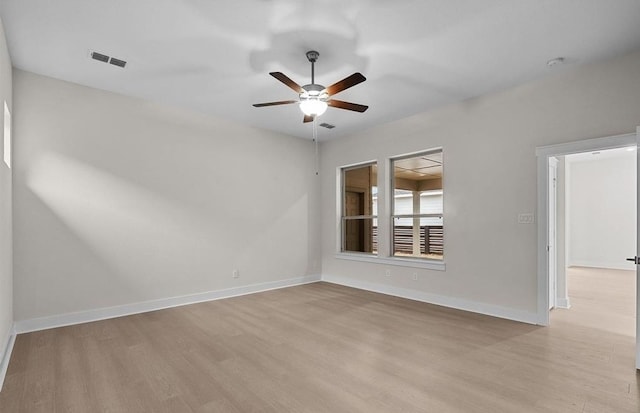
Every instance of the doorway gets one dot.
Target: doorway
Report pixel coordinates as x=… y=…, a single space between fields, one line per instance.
x=595 y=226
x=547 y=282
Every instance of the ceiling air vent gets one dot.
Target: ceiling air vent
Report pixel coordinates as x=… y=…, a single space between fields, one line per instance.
x=99 y=56
x=117 y=62
x=327 y=125
x=107 y=59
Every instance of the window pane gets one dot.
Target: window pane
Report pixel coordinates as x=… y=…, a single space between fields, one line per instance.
x=360 y=186
x=420 y=241
x=359 y=235
x=417 y=189
x=431 y=202
x=359 y=209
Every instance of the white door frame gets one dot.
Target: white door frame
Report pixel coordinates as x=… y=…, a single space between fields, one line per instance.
x=543 y=153
x=637 y=252
x=553 y=222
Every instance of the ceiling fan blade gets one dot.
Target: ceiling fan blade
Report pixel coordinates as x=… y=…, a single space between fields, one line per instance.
x=284 y=79
x=307 y=119
x=282 y=102
x=346 y=83
x=347 y=105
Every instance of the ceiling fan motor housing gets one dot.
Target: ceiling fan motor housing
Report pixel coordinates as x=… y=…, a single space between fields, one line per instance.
x=314 y=91
x=313 y=99
x=312 y=55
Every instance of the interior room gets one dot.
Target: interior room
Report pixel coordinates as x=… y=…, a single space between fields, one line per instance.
x=285 y=206
x=598 y=234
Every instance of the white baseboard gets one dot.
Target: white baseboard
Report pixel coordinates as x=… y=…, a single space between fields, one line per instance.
x=61 y=320
x=451 y=302
x=6 y=350
x=622 y=265
x=563 y=303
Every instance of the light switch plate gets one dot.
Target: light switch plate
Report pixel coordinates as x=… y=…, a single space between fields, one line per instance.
x=526 y=218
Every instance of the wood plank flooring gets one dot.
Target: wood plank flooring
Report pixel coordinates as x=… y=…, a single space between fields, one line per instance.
x=327 y=348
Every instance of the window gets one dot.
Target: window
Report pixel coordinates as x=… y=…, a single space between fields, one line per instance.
x=7 y=135
x=417 y=227
x=359 y=221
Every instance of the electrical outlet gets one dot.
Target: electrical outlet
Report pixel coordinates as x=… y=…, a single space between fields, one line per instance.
x=235 y=274
x=414 y=276
x=387 y=273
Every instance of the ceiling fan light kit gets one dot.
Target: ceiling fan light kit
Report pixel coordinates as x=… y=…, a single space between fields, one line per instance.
x=314 y=99
x=313 y=106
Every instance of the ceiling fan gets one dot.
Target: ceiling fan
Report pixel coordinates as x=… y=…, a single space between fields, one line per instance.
x=314 y=98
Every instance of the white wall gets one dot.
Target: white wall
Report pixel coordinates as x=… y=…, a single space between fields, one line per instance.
x=118 y=200
x=6 y=276
x=603 y=211
x=489 y=178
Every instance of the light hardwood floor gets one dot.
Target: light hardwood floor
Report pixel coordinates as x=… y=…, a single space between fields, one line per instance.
x=326 y=348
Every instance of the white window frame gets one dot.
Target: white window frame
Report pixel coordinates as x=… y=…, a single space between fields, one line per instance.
x=393 y=216
x=342 y=210
x=7 y=136
x=384 y=256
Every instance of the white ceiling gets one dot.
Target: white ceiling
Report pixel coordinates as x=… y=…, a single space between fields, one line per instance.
x=214 y=56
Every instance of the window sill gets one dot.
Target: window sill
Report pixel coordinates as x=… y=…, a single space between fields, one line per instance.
x=400 y=262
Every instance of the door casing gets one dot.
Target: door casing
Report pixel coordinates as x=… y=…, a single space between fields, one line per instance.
x=552 y=216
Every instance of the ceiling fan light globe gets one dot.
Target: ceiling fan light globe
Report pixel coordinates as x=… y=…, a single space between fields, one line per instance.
x=313 y=107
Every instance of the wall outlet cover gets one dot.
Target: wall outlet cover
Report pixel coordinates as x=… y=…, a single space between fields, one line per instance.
x=526 y=218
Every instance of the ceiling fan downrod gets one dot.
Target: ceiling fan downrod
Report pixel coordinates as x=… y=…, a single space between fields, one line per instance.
x=312 y=56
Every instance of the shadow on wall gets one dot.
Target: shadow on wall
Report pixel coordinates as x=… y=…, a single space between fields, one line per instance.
x=130 y=226
x=129 y=242
x=66 y=267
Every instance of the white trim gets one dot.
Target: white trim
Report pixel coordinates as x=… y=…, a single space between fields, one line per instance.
x=543 y=235
x=622 y=265
x=416 y=153
x=451 y=302
x=552 y=240
x=543 y=154
x=7 y=349
x=587 y=145
x=338 y=216
x=357 y=164
x=637 y=142
x=563 y=302
x=400 y=262
x=61 y=320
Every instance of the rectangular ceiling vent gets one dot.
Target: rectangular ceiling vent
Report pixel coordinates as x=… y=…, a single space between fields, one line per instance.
x=327 y=125
x=107 y=59
x=100 y=57
x=117 y=62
